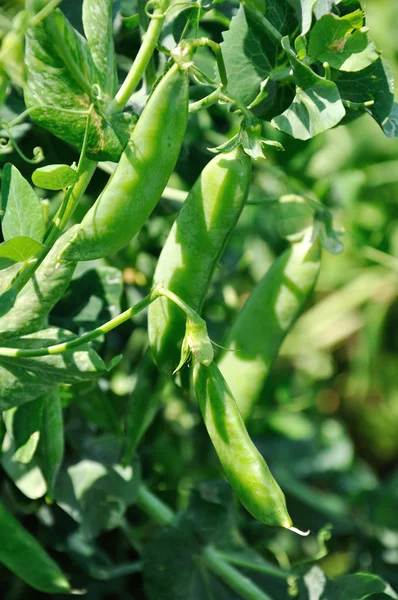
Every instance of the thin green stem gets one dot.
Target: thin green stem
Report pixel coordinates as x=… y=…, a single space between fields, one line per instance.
x=87 y=337
x=206 y=42
x=210 y=557
x=141 y=60
x=190 y=312
x=205 y=102
x=157 y=510
x=44 y=12
x=241 y=584
x=267 y=568
x=150 y=71
x=26 y=113
x=244 y=110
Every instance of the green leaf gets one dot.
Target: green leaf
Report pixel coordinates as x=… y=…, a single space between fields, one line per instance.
x=97 y=23
x=24 y=379
x=342 y=43
x=375 y=83
x=303 y=10
x=97 y=494
x=23 y=212
x=250 y=54
x=317 y=105
x=54 y=177
x=51 y=447
x=19 y=249
x=28 y=478
x=314 y=585
x=23 y=426
x=64 y=77
x=178 y=575
x=33 y=304
x=25 y=557
x=94 y=295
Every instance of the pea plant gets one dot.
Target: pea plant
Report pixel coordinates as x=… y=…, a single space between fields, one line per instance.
x=112 y=350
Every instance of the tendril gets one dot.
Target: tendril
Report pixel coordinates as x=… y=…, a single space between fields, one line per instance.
x=7 y=146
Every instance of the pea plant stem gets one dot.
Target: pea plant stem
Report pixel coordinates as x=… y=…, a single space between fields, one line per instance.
x=44 y=12
x=205 y=102
x=150 y=71
x=84 y=339
x=241 y=584
x=160 y=513
x=142 y=59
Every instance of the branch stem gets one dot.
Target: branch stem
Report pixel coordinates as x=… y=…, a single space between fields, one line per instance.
x=84 y=339
x=142 y=59
x=160 y=513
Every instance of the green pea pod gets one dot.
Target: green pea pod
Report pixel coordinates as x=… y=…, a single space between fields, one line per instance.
x=243 y=465
x=144 y=169
x=273 y=307
x=194 y=246
x=23 y=555
x=40 y=294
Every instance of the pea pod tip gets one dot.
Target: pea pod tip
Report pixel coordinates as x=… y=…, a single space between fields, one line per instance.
x=299 y=532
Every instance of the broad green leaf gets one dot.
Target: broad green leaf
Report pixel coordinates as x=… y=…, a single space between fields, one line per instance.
x=31 y=308
x=97 y=23
x=28 y=478
x=97 y=494
x=250 y=54
x=314 y=585
x=342 y=43
x=19 y=249
x=178 y=575
x=24 y=556
x=303 y=10
x=23 y=213
x=54 y=177
x=61 y=77
x=94 y=295
x=317 y=105
x=375 y=83
x=51 y=447
x=24 y=379
x=286 y=216
x=23 y=426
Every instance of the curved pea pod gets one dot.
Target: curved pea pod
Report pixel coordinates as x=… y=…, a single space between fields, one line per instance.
x=243 y=465
x=255 y=338
x=22 y=554
x=193 y=247
x=144 y=169
x=40 y=294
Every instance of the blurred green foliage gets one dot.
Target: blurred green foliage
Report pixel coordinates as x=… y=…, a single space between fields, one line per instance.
x=327 y=419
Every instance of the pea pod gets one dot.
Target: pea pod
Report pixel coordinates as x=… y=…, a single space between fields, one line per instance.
x=255 y=338
x=23 y=555
x=243 y=465
x=194 y=246
x=144 y=169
